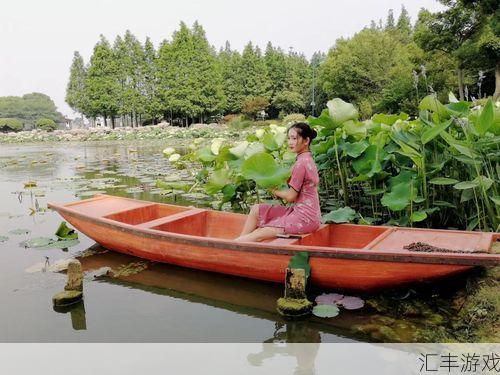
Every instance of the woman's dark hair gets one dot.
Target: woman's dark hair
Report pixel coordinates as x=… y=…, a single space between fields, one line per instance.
x=304 y=130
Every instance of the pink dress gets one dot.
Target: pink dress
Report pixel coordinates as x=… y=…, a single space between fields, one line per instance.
x=304 y=215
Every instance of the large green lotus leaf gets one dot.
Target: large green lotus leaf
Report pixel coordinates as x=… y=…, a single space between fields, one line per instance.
x=443 y=181
x=238 y=149
x=485 y=119
x=355 y=149
x=403 y=190
x=229 y=192
x=218 y=179
x=369 y=163
x=382 y=118
x=263 y=169
x=431 y=103
x=322 y=147
x=269 y=142
x=432 y=132
x=66 y=233
x=324 y=120
x=205 y=155
x=341 y=111
x=325 y=311
x=458 y=108
x=38 y=242
x=61 y=244
x=254 y=148
x=301 y=260
x=418 y=216
x=355 y=129
x=341 y=215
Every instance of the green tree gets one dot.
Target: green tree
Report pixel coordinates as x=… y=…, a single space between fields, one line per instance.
x=102 y=85
x=10 y=124
x=150 y=83
x=46 y=124
x=254 y=79
x=75 y=90
x=231 y=69
x=29 y=108
x=277 y=73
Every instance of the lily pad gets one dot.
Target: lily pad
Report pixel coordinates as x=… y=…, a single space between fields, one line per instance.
x=263 y=169
x=328 y=299
x=3 y=238
x=61 y=244
x=19 y=231
x=325 y=311
x=38 y=242
x=351 y=303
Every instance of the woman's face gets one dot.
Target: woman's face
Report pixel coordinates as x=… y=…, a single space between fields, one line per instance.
x=296 y=143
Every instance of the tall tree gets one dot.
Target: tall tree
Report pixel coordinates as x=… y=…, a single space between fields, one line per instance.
x=102 y=86
x=75 y=90
x=150 y=83
x=277 y=73
x=254 y=78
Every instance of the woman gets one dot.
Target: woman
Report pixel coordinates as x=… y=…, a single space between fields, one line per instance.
x=304 y=216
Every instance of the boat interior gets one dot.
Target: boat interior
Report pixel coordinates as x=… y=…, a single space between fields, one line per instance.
x=225 y=225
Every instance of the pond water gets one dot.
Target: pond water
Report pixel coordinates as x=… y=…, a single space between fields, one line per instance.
x=149 y=302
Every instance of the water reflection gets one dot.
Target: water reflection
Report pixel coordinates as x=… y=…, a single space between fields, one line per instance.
x=287 y=340
x=77 y=314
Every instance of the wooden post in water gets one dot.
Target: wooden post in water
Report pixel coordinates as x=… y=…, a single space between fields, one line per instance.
x=295 y=302
x=73 y=291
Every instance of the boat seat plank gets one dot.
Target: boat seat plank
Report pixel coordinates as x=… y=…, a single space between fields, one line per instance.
x=169 y=218
x=466 y=241
x=105 y=205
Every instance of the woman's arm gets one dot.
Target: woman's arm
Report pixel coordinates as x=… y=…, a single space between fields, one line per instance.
x=290 y=195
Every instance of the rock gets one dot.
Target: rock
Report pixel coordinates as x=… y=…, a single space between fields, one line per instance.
x=67 y=297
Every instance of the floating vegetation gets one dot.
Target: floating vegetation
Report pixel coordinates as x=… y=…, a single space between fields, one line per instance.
x=19 y=231
x=130 y=269
x=30 y=184
x=66 y=233
x=325 y=311
x=3 y=238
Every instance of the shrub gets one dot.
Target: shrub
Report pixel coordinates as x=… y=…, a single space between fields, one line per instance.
x=10 y=124
x=252 y=106
x=293 y=118
x=46 y=124
x=239 y=122
x=228 y=118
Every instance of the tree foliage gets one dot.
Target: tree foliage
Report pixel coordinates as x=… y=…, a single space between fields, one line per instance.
x=28 y=108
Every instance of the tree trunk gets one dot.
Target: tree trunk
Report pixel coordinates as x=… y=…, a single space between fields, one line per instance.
x=105 y=121
x=461 y=84
x=496 y=94
x=112 y=122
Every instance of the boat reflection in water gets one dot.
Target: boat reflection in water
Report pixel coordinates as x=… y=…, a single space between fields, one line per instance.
x=243 y=296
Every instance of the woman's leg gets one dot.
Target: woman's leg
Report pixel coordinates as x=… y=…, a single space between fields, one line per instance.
x=260 y=234
x=251 y=222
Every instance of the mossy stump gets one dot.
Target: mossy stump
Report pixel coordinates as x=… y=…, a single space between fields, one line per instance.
x=67 y=297
x=295 y=302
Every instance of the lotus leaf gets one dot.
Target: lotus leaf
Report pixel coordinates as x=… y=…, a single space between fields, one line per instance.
x=229 y=192
x=485 y=119
x=259 y=133
x=205 y=155
x=19 y=231
x=328 y=299
x=418 y=216
x=324 y=120
x=38 y=242
x=218 y=179
x=495 y=199
x=61 y=244
x=355 y=149
x=173 y=185
x=431 y=103
x=369 y=164
x=263 y=169
x=254 y=148
x=452 y=98
x=301 y=260
x=430 y=133
x=355 y=128
x=341 y=111
x=3 y=238
x=466 y=185
x=382 y=118
x=269 y=142
x=443 y=181
x=325 y=311
x=239 y=149
x=351 y=303
x=341 y=215
x=216 y=145
x=401 y=191
x=66 y=233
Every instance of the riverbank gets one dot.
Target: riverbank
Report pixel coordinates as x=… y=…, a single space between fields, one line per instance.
x=162 y=131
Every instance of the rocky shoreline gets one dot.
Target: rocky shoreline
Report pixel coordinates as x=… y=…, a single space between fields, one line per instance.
x=161 y=131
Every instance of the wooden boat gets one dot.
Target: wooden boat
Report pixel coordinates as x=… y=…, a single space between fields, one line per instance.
x=342 y=256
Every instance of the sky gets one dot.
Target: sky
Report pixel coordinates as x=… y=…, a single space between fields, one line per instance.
x=38 y=38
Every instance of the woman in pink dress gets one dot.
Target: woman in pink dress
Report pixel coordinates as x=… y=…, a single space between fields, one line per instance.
x=304 y=216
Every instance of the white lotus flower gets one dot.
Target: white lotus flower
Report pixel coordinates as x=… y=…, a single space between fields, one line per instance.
x=174 y=157
x=168 y=151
